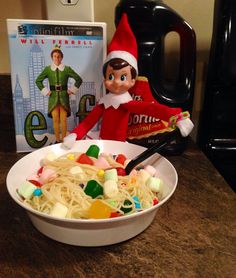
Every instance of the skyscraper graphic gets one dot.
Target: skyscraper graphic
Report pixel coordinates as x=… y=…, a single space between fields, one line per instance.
x=18 y=107
x=36 y=65
x=87 y=88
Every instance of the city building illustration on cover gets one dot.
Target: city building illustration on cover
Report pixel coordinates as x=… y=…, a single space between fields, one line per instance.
x=33 y=127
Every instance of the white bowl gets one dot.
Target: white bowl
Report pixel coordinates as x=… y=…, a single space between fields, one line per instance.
x=91 y=232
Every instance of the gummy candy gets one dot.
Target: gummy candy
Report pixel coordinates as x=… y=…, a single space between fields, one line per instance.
x=126 y=207
x=93 y=151
x=99 y=210
x=121 y=159
x=84 y=159
x=93 y=189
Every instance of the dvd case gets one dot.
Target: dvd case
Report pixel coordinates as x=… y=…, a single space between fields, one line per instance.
x=39 y=87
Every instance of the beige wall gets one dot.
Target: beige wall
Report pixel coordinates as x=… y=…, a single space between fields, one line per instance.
x=198 y=14
x=15 y=9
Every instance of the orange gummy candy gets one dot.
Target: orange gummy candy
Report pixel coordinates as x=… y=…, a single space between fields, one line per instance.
x=99 y=210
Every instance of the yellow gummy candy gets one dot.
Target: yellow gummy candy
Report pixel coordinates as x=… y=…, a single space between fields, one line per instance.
x=99 y=210
x=100 y=173
x=71 y=156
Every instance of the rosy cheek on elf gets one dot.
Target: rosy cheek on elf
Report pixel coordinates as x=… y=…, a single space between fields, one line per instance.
x=118 y=81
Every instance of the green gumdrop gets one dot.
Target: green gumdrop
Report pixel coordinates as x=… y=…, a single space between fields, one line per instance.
x=126 y=203
x=93 y=189
x=93 y=151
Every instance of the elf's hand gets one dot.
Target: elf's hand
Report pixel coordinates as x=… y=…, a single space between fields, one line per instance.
x=185 y=126
x=69 y=140
x=183 y=122
x=69 y=92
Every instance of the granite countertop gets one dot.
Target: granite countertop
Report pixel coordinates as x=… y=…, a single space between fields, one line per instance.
x=193 y=234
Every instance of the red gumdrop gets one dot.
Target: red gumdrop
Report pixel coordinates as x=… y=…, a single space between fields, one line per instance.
x=121 y=159
x=84 y=159
x=121 y=171
x=40 y=170
x=36 y=183
x=155 y=202
x=115 y=214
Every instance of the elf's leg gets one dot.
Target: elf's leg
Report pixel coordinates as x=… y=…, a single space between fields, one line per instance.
x=56 y=123
x=63 y=120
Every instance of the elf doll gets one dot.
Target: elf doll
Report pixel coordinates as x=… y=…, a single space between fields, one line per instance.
x=120 y=71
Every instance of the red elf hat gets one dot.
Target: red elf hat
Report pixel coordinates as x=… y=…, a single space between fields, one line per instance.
x=123 y=44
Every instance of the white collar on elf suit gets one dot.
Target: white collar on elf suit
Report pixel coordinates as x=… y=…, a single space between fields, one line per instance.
x=115 y=100
x=60 y=67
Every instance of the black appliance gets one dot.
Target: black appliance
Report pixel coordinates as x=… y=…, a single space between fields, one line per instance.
x=217 y=135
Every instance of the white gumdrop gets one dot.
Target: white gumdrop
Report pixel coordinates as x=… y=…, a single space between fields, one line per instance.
x=110 y=188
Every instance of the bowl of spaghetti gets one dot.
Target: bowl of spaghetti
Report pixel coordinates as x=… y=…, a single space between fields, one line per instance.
x=129 y=208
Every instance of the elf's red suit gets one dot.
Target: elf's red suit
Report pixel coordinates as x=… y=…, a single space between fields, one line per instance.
x=115 y=115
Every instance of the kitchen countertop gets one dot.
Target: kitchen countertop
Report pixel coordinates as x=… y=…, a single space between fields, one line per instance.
x=193 y=234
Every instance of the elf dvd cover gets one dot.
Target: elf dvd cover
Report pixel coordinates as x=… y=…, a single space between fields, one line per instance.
x=56 y=76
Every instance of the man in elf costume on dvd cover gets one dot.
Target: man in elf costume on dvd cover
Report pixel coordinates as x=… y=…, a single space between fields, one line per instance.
x=120 y=71
x=58 y=92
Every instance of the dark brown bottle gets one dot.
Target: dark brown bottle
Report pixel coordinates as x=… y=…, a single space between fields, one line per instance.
x=151 y=21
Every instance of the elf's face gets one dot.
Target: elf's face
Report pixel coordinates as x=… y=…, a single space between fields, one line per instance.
x=57 y=58
x=118 y=81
